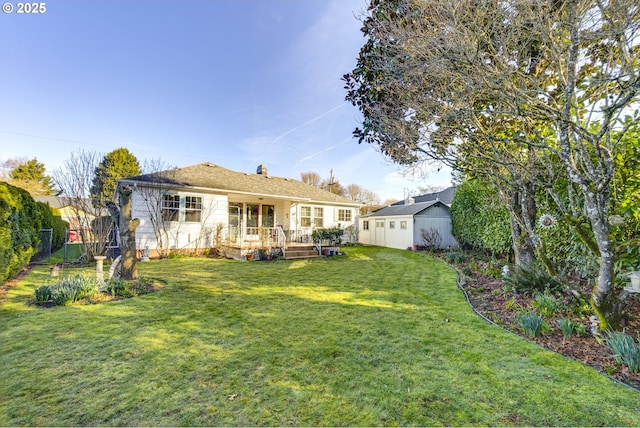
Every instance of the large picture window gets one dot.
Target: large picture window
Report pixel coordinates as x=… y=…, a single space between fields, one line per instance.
x=170 y=207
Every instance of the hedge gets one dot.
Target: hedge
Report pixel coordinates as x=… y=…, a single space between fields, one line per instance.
x=21 y=219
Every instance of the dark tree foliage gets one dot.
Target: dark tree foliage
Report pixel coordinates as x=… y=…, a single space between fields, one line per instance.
x=20 y=222
x=32 y=177
x=120 y=163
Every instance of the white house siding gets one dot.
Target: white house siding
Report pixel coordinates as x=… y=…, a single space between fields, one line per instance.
x=387 y=232
x=380 y=231
x=330 y=217
x=397 y=237
x=364 y=235
x=182 y=234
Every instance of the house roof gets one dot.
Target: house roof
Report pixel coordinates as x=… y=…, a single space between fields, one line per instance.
x=445 y=196
x=53 y=201
x=404 y=210
x=210 y=177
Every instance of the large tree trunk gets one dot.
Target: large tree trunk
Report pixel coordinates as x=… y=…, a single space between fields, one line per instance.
x=523 y=248
x=127 y=235
x=603 y=299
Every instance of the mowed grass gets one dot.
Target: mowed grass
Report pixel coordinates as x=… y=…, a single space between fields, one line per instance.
x=378 y=337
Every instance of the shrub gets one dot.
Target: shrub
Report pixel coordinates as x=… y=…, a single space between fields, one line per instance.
x=63 y=294
x=333 y=235
x=69 y=290
x=20 y=222
x=546 y=304
x=43 y=294
x=625 y=349
x=493 y=269
x=567 y=327
x=455 y=257
x=532 y=279
x=478 y=220
x=531 y=323
x=116 y=286
x=122 y=288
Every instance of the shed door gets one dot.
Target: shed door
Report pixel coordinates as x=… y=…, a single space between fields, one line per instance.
x=379 y=238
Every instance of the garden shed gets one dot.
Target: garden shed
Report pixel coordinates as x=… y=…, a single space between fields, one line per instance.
x=410 y=225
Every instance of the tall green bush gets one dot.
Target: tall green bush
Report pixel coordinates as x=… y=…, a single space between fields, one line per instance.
x=20 y=221
x=51 y=219
x=479 y=220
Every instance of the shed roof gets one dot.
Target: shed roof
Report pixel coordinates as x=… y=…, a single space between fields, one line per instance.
x=404 y=210
x=208 y=176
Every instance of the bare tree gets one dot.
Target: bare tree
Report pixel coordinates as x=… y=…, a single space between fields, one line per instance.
x=74 y=179
x=312 y=178
x=152 y=195
x=431 y=238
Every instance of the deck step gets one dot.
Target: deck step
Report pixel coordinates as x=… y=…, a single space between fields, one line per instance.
x=301 y=252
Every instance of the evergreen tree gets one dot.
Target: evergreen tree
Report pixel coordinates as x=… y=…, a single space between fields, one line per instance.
x=120 y=163
x=31 y=176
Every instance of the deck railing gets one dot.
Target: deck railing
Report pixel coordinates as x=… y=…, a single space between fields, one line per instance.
x=268 y=236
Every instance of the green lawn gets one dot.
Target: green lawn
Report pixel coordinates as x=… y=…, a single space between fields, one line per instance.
x=378 y=337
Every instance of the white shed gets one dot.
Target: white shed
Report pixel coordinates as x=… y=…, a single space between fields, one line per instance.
x=407 y=226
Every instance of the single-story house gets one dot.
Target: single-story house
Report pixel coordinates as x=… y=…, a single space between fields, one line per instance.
x=411 y=224
x=207 y=206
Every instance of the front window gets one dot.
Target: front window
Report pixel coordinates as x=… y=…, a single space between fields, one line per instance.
x=365 y=225
x=193 y=208
x=305 y=216
x=403 y=224
x=318 y=214
x=392 y=224
x=170 y=207
x=379 y=223
x=344 y=215
x=311 y=216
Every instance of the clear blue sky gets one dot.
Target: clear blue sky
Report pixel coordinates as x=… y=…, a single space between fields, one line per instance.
x=237 y=83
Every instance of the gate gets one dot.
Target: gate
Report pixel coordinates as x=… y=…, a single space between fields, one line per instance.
x=44 y=248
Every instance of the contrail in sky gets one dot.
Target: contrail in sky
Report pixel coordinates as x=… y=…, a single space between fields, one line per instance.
x=279 y=137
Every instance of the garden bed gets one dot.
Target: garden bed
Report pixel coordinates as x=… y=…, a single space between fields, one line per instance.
x=488 y=297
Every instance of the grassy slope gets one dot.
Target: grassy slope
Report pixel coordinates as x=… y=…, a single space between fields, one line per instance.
x=381 y=337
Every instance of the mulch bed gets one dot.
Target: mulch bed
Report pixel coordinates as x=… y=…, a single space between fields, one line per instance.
x=488 y=297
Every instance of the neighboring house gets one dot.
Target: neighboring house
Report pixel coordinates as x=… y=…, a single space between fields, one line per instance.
x=73 y=211
x=445 y=196
x=411 y=224
x=205 y=206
